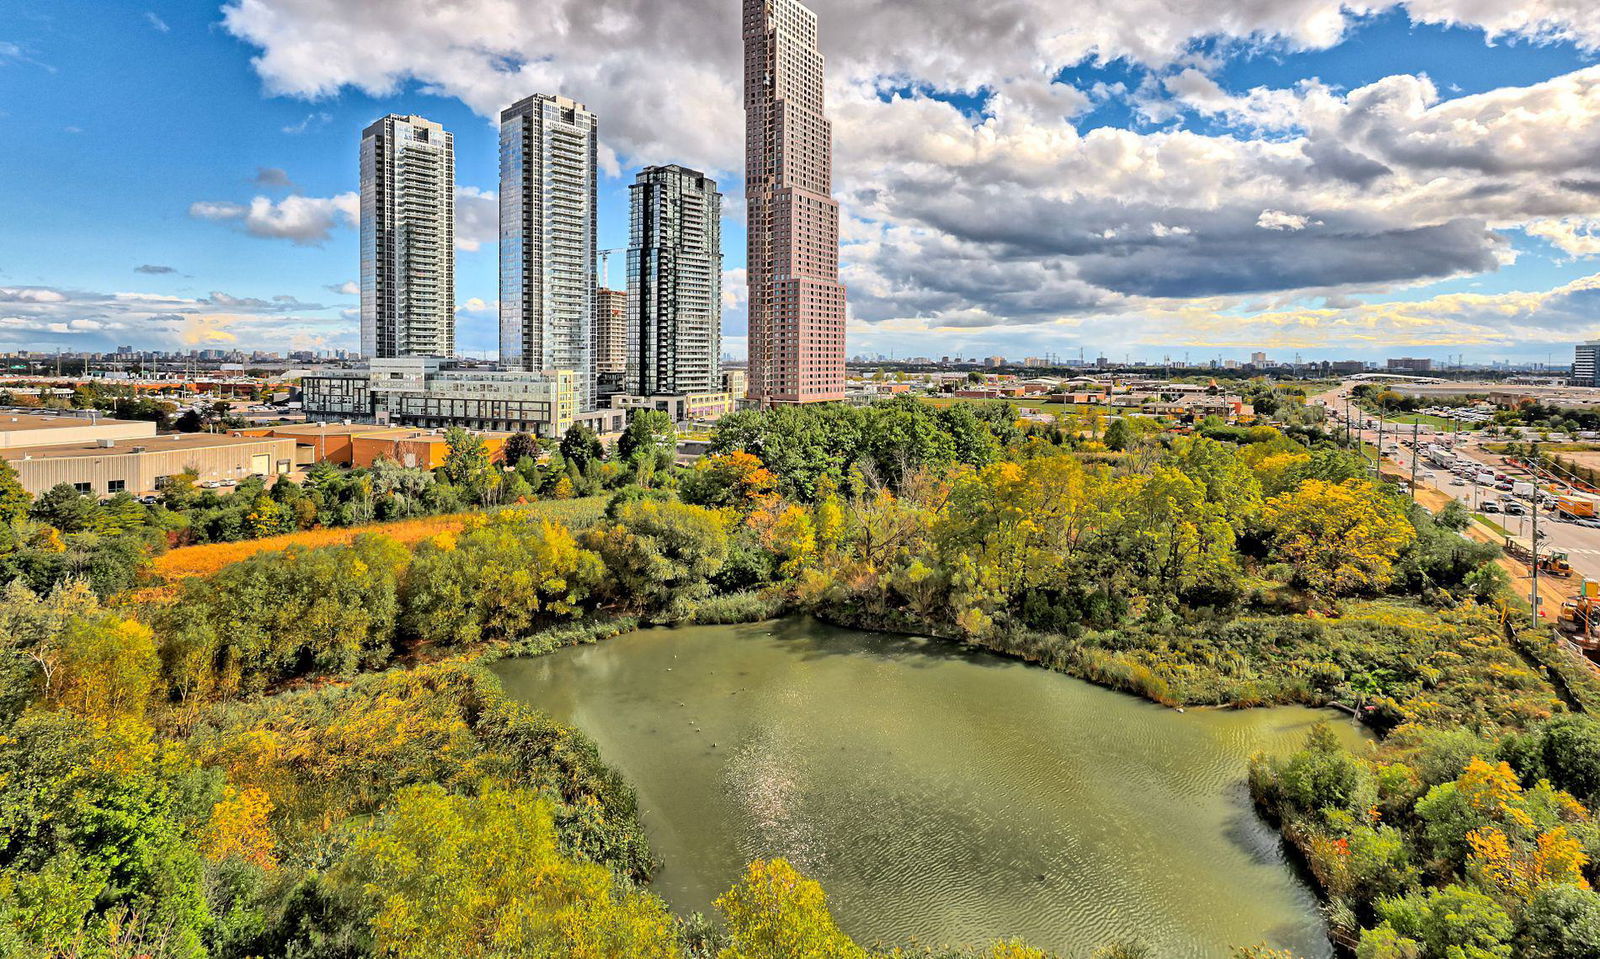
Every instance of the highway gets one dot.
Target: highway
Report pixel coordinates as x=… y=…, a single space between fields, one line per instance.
x=1581 y=544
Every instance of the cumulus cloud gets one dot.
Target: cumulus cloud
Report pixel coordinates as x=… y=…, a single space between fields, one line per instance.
x=1279 y=220
x=92 y=320
x=303 y=220
x=1578 y=236
x=1008 y=216
x=347 y=288
x=477 y=218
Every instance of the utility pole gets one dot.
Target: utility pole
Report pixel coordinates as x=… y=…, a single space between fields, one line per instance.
x=1534 y=462
x=1377 y=454
x=1415 y=452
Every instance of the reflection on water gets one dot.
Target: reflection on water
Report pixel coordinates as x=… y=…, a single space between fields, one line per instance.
x=939 y=795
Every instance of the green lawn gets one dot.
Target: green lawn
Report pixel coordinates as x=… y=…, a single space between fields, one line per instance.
x=1496 y=527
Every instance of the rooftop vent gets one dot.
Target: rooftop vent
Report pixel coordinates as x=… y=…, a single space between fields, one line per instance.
x=105 y=444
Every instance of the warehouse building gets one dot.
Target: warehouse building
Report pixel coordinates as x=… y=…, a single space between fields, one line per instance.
x=32 y=428
x=143 y=465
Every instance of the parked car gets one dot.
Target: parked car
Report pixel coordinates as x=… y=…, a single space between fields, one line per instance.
x=212 y=484
x=1458 y=481
x=1491 y=507
x=149 y=499
x=1515 y=509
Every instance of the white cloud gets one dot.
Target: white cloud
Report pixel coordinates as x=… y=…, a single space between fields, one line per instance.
x=1011 y=217
x=91 y=320
x=157 y=22
x=1279 y=220
x=1578 y=236
x=347 y=288
x=477 y=218
x=303 y=220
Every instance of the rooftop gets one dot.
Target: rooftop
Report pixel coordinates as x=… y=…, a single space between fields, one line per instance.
x=151 y=444
x=13 y=421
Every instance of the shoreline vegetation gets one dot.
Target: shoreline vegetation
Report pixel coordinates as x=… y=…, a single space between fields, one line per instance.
x=292 y=755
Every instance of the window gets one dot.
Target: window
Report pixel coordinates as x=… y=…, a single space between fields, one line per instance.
x=85 y=488
x=117 y=486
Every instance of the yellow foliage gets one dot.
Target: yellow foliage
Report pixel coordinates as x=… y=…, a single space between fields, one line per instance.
x=776 y=913
x=1341 y=538
x=238 y=828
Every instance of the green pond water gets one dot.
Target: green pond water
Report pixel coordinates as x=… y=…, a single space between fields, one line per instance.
x=941 y=796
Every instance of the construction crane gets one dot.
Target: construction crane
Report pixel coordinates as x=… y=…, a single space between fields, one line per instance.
x=605 y=265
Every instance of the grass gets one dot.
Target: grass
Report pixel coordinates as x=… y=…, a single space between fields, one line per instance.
x=207 y=559
x=1496 y=527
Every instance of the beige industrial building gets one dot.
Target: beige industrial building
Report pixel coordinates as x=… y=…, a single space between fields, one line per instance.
x=19 y=428
x=142 y=465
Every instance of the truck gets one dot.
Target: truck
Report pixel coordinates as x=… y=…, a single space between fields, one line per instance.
x=1522 y=490
x=1573 y=506
x=1555 y=562
x=1442 y=457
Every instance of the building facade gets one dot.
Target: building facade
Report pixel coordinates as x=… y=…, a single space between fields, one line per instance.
x=427 y=393
x=675 y=282
x=1586 y=364
x=1410 y=364
x=797 y=305
x=547 y=239
x=408 y=182
x=610 y=331
x=144 y=465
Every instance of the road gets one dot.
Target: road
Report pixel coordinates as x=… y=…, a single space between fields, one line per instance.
x=1435 y=488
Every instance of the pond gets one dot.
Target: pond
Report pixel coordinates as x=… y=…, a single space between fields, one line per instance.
x=941 y=796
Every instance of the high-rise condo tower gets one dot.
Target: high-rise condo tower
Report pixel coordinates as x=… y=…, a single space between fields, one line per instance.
x=547 y=239
x=797 y=312
x=408 y=296
x=675 y=282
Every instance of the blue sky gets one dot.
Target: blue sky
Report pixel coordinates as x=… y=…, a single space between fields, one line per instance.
x=991 y=205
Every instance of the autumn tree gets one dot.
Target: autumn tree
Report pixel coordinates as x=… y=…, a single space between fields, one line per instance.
x=776 y=913
x=734 y=480
x=482 y=876
x=1339 y=538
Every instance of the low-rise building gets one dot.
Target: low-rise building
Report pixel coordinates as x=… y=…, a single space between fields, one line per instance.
x=687 y=408
x=431 y=393
x=32 y=428
x=143 y=465
x=363 y=445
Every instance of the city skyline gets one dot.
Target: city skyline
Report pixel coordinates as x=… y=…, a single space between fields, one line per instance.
x=1296 y=189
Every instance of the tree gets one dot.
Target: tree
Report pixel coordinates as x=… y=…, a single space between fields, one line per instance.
x=482 y=876
x=1562 y=922
x=734 y=480
x=466 y=466
x=1119 y=436
x=650 y=433
x=65 y=508
x=776 y=913
x=657 y=552
x=519 y=447
x=580 y=446
x=1450 y=923
x=1340 y=539
x=14 y=500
